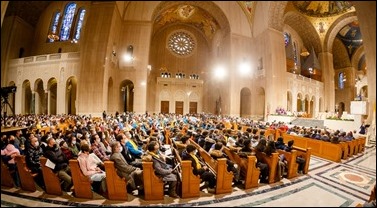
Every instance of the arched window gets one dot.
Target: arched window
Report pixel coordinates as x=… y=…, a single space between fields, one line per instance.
x=287 y=38
x=69 y=14
x=54 y=27
x=81 y=15
x=295 y=53
x=341 y=80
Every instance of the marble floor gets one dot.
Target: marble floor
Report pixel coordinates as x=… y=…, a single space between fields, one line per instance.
x=327 y=184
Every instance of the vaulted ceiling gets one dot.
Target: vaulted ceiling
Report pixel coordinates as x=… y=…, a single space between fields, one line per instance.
x=29 y=11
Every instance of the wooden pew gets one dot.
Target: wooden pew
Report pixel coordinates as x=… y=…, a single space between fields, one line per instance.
x=153 y=185
x=351 y=148
x=345 y=150
x=116 y=186
x=249 y=171
x=326 y=150
x=26 y=178
x=223 y=177
x=52 y=181
x=82 y=183
x=362 y=141
x=306 y=154
x=272 y=162
x=6 y=177
x=292 y=166
x=190 y=183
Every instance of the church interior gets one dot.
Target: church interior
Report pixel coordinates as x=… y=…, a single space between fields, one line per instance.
x=291 y=61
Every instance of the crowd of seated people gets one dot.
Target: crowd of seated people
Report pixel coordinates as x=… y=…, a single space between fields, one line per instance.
x=328 y=135
x=125 y=138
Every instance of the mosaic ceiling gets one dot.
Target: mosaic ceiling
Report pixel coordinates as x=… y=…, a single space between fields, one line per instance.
x=351 y=37
x=188 y=14
x=322 y=8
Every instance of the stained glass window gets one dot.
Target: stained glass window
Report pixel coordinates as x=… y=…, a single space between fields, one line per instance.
x=69 y=14
x=181 y=43
x=80 y=21
x=54 y=27
x=287 y=39
x=341 y=80
x=295 y=53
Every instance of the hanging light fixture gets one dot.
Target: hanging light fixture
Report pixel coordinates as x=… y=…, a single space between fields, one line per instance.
x=304 y=52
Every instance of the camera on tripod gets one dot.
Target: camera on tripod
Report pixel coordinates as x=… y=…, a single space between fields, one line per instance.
x=8 y=90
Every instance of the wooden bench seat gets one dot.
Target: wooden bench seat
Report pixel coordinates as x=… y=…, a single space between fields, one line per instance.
x=82 y=183
x=116 y=186
x=26 y=178
x=52 y=181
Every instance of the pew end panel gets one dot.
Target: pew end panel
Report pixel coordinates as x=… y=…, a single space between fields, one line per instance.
x=153 y=185
x=6 y=177
x=116 y=186
x=292 y=166
x=26 y=178
x=272 y=162
x=224 y=178
x=52 y=181
x=190 y=182
x=82 y=183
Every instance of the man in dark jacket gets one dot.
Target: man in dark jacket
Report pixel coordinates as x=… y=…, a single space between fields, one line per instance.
x=55 y=155
x=198 y=167
x=33 y=153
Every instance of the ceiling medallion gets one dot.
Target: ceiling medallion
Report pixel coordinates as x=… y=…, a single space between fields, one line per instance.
x=186 y=11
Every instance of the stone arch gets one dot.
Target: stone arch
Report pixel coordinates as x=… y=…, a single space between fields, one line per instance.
x=289 y=101
x=52 y=94
x=110 y=96
x=259 y=107
x=40 y=100
x=126 y=94
x=27 y=106
x=305 y=29
x=70 y=95
x=245 y=102
x=275 y=15
x=300 y=106
x=335 y=28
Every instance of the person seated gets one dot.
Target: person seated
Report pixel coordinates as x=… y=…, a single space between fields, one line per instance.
x=8 y=156
x=162 y=169
x=132 y=174
x=64 y=147
x=97 y=149
x=89 y=168
x=199 y=168
x=282 y=163
x=33 y=153
x=280 y=143
x=134 y=149
x=299 y=159
x=217 y=153
x=121 y=138
x=264 y=169
x=181 y=146
x=55 y=155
